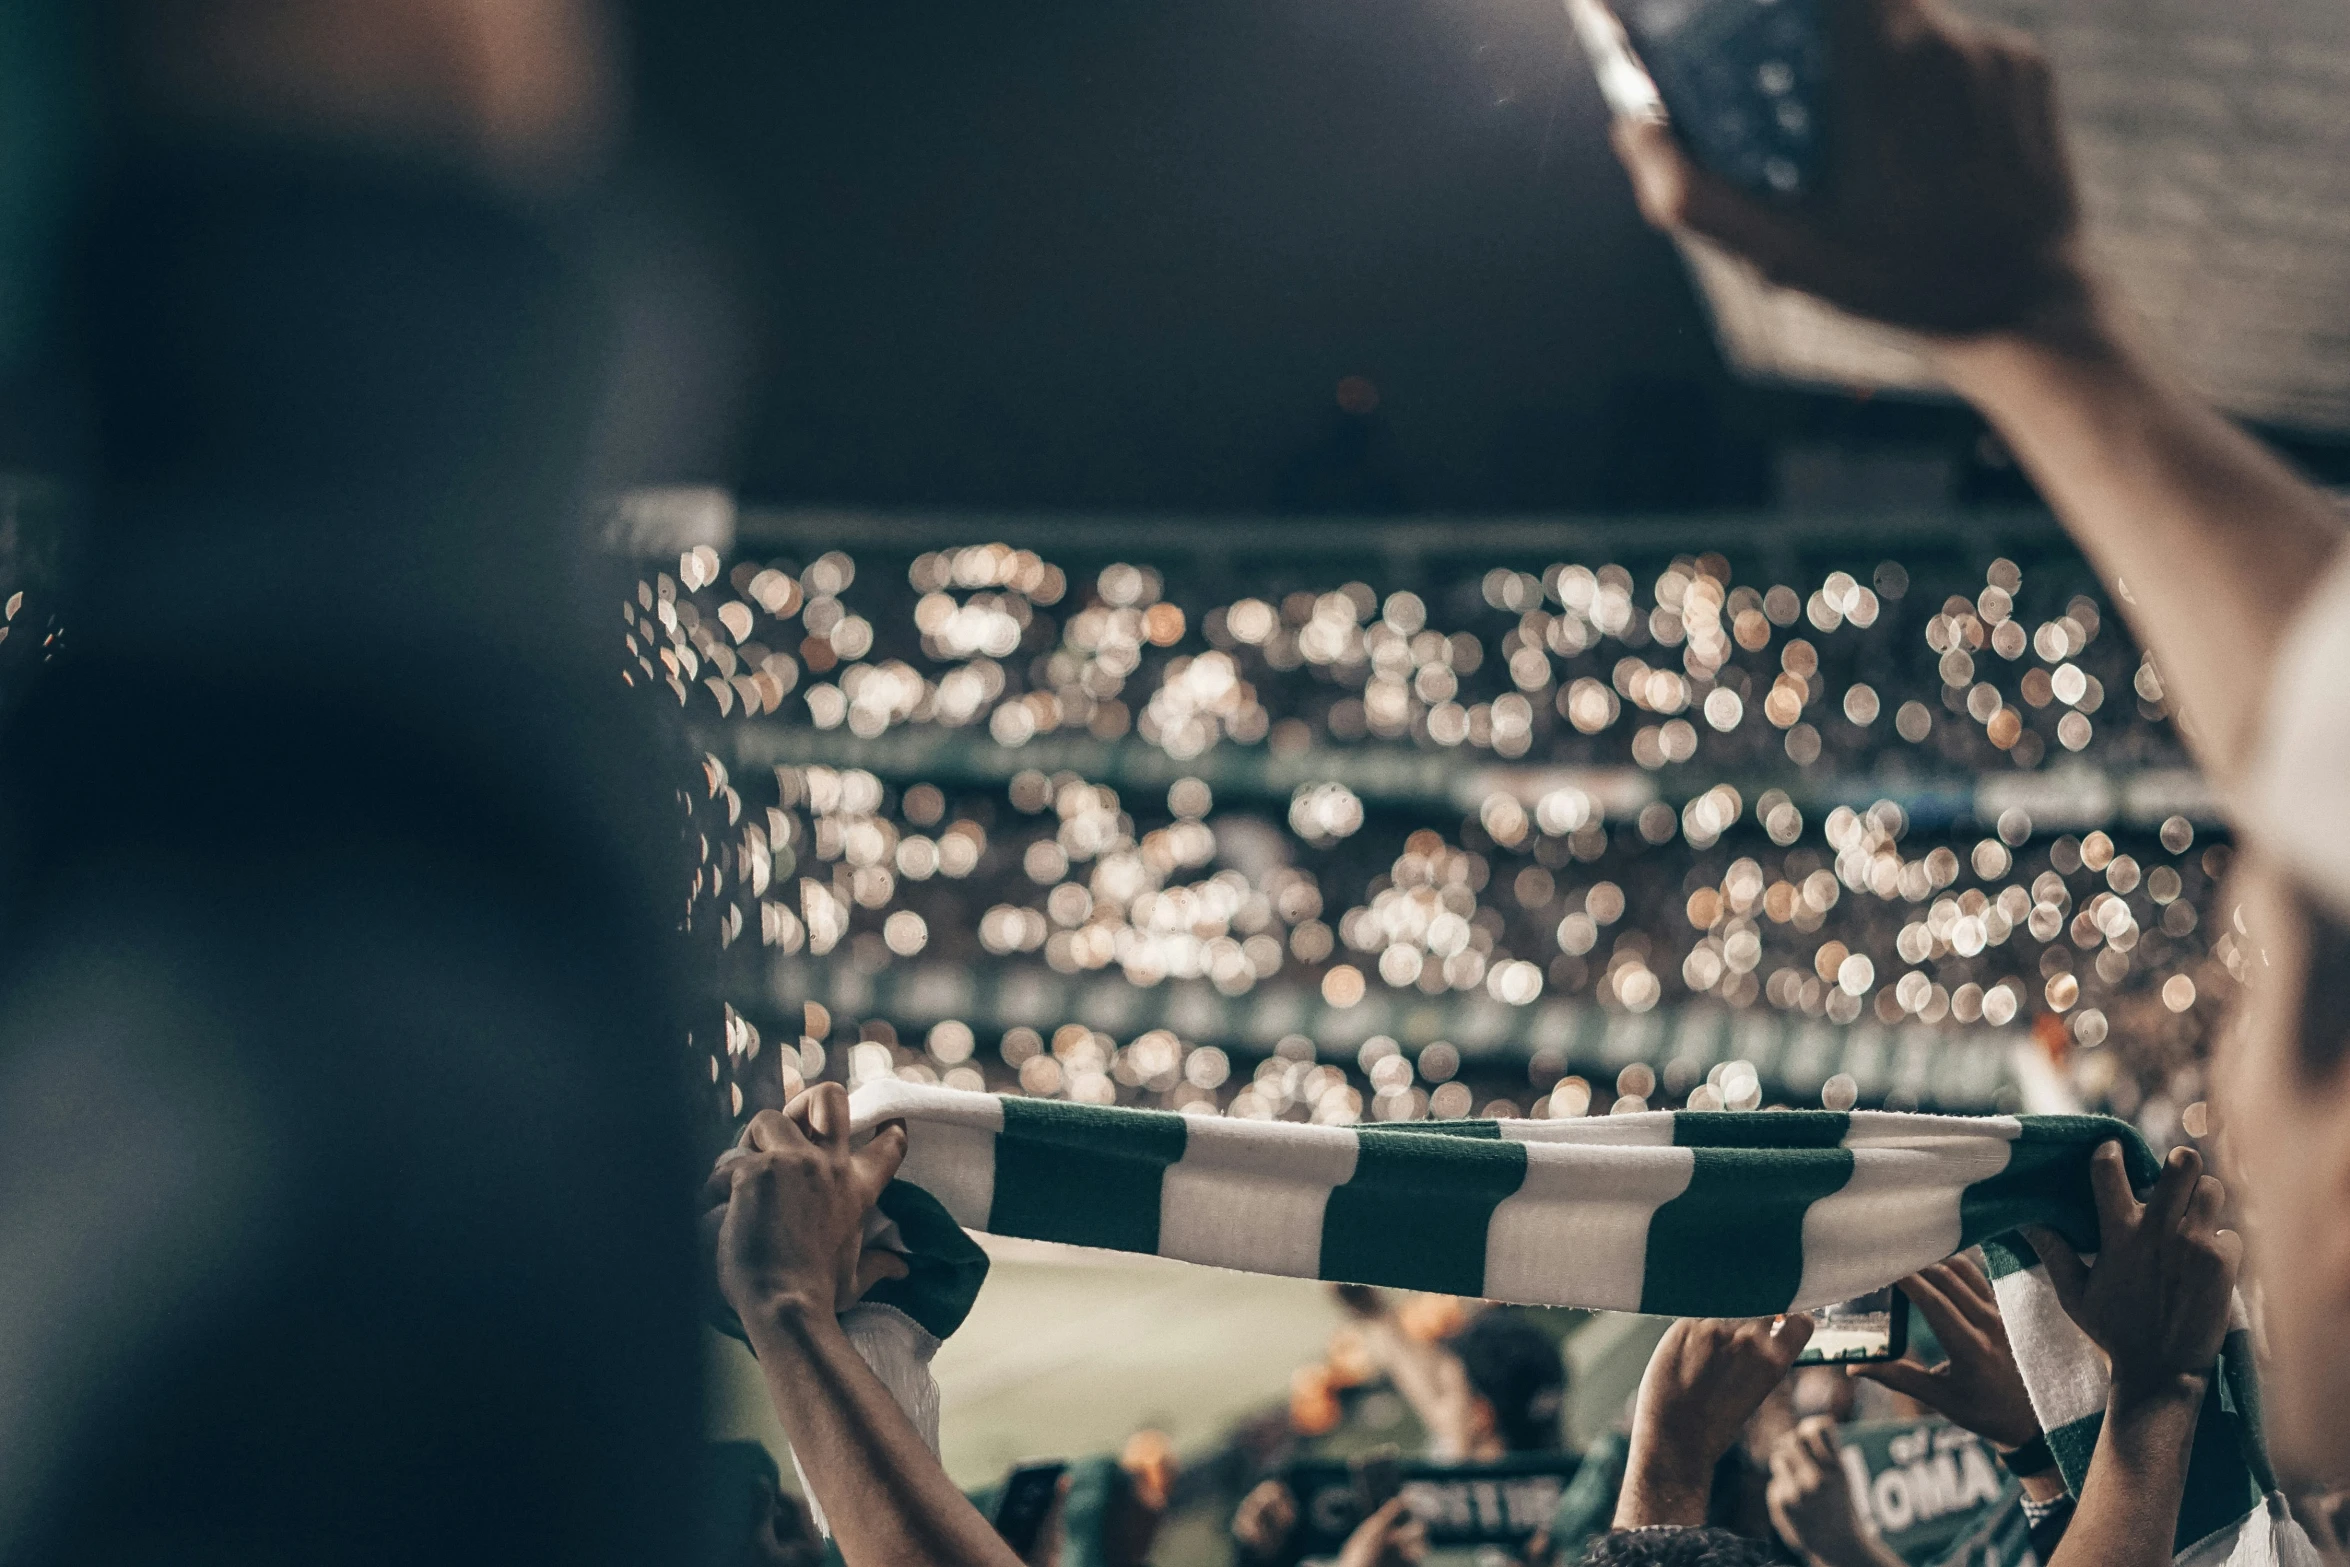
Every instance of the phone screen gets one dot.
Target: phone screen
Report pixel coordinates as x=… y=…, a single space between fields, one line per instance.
x=1742 y=81
x=1869 y=1327
x=1028 y=1498
x=1377 y=1476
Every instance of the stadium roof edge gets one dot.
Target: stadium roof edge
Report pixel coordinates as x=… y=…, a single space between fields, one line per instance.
x=1416 y=537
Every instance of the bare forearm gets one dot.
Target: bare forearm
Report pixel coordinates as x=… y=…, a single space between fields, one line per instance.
x=1660 y=1490
x=2208 y=540
x=2130 y=1503
x=887 y=1499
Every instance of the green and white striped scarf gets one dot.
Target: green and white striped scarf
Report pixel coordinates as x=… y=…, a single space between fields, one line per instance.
x=1683 y=1213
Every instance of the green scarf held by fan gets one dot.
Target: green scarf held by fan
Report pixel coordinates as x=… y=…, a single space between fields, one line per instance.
x=1682 y=1213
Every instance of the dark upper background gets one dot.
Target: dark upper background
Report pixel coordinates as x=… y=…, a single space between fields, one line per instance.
x=1100 y=255
x=1121 y=256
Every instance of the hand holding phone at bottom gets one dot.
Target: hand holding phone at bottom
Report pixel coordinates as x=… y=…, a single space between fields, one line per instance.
x=1811 y=1502
x=1390 y=1537
x=1261 y=1526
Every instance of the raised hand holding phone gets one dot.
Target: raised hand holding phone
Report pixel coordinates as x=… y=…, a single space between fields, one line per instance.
x=1977 y=1385
x=1742 y=82
x=1390 y=1537
x=1944 y=202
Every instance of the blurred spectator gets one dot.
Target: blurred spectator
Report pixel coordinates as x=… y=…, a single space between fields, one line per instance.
x=342 y=1187
x=748 y=1519
x=1517 y=1384
x=1812 y=1505
x=1112 y=1513
x=1485 y=1382
x=1483 y=1388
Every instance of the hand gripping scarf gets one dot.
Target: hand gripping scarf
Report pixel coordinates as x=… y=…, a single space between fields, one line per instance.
x=1683 y=1213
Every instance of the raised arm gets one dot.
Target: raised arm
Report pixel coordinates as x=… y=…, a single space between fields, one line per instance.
x=2207 y=540
x=1705 y=1381
x=1951 y=212
x=788 y=1249
x=2157 y=1303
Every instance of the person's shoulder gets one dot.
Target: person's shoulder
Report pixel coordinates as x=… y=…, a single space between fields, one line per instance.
x=2299 y=771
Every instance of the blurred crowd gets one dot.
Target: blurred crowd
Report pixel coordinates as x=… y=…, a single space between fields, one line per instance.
x=1565 y=664
x=2035 y=936
x=1761 y=797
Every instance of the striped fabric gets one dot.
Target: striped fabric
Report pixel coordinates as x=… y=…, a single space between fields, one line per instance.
x=1687 y=1213
x=2229 y=1479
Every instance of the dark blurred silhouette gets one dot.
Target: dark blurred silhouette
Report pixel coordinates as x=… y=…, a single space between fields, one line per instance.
x=343 y=1195
x=1515 y=1371
x=747 y=1518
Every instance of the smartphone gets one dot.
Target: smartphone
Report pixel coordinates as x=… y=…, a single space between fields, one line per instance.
x=1377 y=1476
x=1870 y=1327
x=1029 y=1493
x=1742 y=82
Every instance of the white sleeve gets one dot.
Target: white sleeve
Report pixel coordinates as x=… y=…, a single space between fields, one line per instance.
x=2295 y=798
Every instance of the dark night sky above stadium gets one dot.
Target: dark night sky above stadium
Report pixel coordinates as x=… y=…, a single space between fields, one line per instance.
x=1120 y=255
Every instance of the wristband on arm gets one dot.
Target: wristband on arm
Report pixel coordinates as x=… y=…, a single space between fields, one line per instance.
x=2033 y=1458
